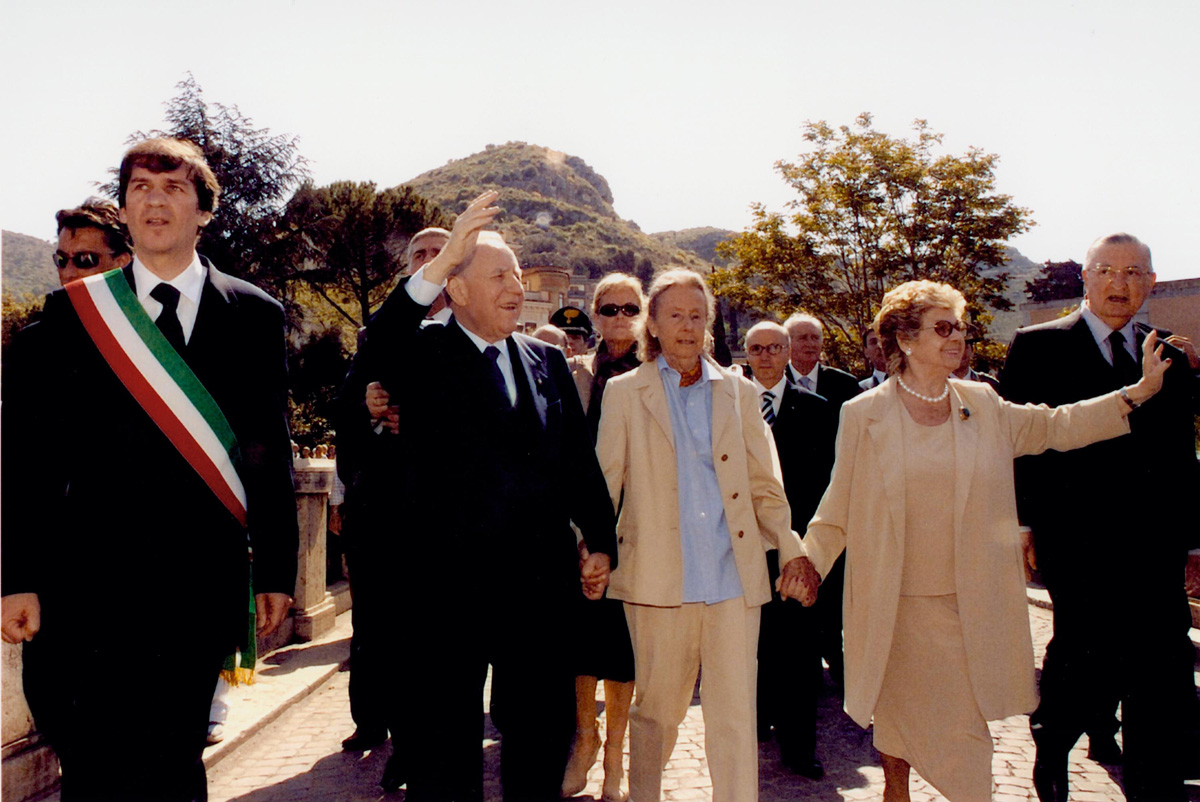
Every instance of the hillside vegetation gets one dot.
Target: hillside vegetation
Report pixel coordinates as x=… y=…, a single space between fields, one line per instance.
x=27 y=265
x=557 y=211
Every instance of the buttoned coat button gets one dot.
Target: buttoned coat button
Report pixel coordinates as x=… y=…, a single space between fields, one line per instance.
x=741 y=533
x=724 y=457
x=734 y=495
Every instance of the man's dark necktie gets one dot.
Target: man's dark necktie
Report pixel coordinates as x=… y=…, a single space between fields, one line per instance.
x=1126 y=365
x=768 y=407
x=497 y=377
x=168 y=321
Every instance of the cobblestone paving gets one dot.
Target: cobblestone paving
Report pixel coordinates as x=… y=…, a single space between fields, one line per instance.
x=299 y=757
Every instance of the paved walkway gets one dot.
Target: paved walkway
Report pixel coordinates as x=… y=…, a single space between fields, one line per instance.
x=286 y=731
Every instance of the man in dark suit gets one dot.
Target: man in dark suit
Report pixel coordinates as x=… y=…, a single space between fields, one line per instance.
x=369 y=463
x=124 y=568
x=1129 y=644
x=837 y=387
x=789 y=659
x=506 y=465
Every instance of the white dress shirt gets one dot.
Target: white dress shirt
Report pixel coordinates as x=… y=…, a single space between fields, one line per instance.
x=190 y=284
x=777 y=390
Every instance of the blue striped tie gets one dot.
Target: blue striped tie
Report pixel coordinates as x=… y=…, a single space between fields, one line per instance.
x=768 y=407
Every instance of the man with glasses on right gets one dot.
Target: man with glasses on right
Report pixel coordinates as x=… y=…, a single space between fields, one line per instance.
x=91 y=239
x=1114 y=566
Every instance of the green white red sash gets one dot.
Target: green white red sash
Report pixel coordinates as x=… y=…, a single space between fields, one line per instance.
x=161 y=382
x=172 y=395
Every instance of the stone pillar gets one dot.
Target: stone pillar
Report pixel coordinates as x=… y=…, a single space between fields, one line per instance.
x=30 y=765
x=315 y=609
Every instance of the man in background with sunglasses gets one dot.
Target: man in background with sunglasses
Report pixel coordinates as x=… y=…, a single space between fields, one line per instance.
x=91 y=240
x=1127 y=642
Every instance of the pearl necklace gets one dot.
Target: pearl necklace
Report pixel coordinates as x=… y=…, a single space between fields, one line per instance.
x=926 y=398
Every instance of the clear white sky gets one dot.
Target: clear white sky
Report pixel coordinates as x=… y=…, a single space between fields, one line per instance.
x=683 y=107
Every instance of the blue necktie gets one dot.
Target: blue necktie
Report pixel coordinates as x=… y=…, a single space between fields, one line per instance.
x=768 y=407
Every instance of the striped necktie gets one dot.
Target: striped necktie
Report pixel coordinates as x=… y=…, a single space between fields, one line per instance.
x=768 y=407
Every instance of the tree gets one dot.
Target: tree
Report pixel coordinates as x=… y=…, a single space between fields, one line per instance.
x=346 y=241
x=873 y=211
x=257 y=171
x=1059 y=281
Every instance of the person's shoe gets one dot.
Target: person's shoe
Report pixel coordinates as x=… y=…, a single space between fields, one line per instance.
x=1050 y=776
x=216 y=733
x=362 y=740
x=1104 y=750
x=584 y=749
x=393 y=774
x=806 y=766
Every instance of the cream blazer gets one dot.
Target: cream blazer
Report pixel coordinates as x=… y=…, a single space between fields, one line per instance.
x=863 y=512
x=636 y=449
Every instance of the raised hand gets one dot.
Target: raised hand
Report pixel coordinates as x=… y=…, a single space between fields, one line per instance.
x=463 y=236
x=1153 y=369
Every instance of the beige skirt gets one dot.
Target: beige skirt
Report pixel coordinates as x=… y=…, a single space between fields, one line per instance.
x=927 y=713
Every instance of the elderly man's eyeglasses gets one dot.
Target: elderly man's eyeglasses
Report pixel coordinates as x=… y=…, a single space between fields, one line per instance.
x=628 y=310
x=944 y=328
x=772 y=349
x=84 y=260
x=1108 y=272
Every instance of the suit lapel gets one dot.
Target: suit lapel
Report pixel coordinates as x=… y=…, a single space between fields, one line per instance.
x=535 y=374
x=725 y=405
x=966 y=442
x=886 y=433
x=654 y=397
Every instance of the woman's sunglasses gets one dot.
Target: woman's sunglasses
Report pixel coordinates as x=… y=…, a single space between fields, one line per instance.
x=944 y=328
x=628 y=310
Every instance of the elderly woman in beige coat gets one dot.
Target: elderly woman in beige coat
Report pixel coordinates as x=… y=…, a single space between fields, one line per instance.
x=922 y=500
x=692 y=469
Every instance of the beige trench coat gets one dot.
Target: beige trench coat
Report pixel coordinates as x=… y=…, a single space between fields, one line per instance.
x=863 y=512
x=636 y=449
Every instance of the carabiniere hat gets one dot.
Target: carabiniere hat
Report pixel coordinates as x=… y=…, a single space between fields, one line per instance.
x=572 y=320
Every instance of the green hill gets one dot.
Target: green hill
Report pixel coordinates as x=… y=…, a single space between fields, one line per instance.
x=557 y=211
x=27 y=265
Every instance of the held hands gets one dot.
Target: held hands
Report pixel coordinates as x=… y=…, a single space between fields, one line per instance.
x=593 y=572
x=1153 y=368
x=799 y=580
x=377 y=405
x=20 y=617
x=463 y=236
x=1191 y=577
x=270 y=609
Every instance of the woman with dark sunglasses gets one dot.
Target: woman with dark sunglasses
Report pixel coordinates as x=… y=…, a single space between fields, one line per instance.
x=606 y=652
x=922 y=499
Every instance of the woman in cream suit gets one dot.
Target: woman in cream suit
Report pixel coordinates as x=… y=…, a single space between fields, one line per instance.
x=692 y=469
x=921 y=497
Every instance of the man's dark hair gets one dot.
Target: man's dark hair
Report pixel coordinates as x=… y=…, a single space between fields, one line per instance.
x=99 y=214
x=168 y=155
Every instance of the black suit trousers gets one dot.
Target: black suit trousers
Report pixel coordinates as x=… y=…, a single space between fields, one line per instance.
x=80 y=695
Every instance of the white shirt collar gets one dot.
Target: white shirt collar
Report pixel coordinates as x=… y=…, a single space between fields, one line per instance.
x=482 y=344
x=190 y=282
x=778 y=389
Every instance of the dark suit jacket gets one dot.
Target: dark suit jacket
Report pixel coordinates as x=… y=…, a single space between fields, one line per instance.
x=96 y=498
x=494 y=490
x=835 y=385
x=1085 y=505
x=805 y=430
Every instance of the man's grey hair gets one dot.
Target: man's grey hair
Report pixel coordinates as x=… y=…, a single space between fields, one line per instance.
x=1119 y=238
x=552 y=335
x=422 y=234
x=802 y=317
